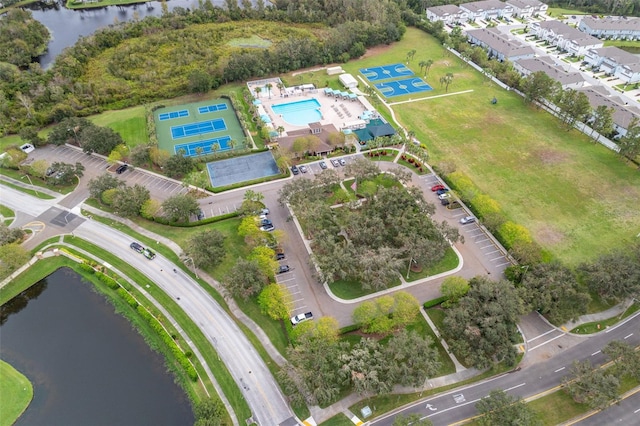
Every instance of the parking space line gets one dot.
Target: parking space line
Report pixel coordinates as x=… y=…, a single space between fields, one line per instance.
x=480 y=241
x=496 y=258
x=491 y=252
x=484 y=247
x=289 y=279
x=502 y=264
x=298 y=300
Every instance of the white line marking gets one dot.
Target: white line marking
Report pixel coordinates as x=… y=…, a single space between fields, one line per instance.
x=559 y=369
x=496 y=258
x=544 y=343
x=502 y=264
x=514 y=387
x=626 y=337
x=491 y=252
x=484 y=247
x=636 y=411
x=595 y=353
x=541 y=335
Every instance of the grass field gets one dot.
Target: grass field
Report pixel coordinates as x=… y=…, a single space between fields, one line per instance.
x=130 y=123
x=16 y=393
x=577 y=199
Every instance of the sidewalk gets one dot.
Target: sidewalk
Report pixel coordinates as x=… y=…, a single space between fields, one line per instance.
x=599 y=316
x=35 y=188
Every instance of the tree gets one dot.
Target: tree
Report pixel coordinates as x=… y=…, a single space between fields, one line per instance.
x=180 y=207
x=427 y=66
x=198 y=82
x=274 y=301
x=139 y=155
x=592 y=386
x=199 y=179
x=602 y=121
x=10 y=235
x=22 y=38
x=324 y=329
x=552 y=290
x=366 y=368
x=412 y=358
x=574 y=106
x=66 y=173
x=101 y=140
x=386 y=313
x=150 y=208
x=500 y=408
x=39 y=168
x=362 y=169
x=265 y=257
x=30 y=134
x=614 y=276
x=178 y=165
x=209 y=412
x=129 y=200
x=481 y=328
x=537 y=87
x=103 y=182
x=446 y=80
x=626 y=360
x=629 y=144
x=454 y=288
x=206 y=248
x=245 y=279
x=249 y=230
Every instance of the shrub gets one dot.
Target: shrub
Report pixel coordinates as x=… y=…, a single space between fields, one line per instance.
x=434 y=302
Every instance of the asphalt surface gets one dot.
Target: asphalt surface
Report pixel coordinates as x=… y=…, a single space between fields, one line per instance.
x=258 y=386
x=625 y=412
x=459 y=404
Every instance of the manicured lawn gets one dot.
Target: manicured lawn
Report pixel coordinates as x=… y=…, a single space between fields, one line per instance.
x=130 y=123
x=555 y=11
x=6 y=211
x=338 y=420
x=448 y=262
x=557 y=407
x=10 y=140
x=16 y=393
x=577 y=199
x=350 y=289
x=26 y=190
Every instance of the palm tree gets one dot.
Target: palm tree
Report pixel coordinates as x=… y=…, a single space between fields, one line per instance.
x=280 y=86
x=269 y=86
x=215 y=147
x=258 y=90
x=427 y=66
x=199 y=151
x=280 y=130
x=422 y=64
x=232 y=144
x=446 y=80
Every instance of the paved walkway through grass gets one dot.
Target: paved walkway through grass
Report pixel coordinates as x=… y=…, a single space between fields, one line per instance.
x=619 y=309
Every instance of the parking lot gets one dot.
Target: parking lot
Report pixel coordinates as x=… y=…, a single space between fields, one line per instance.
x=473 y=233
x=288 y=279
x=311 y=169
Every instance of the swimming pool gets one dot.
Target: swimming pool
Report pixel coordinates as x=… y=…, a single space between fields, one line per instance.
x=299 y=113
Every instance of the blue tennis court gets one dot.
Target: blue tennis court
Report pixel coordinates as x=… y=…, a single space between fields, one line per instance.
x=385 y=72
x=199 y=128
x=174 y=114
x=191 y=149
x=212 y=108
x=403 y=87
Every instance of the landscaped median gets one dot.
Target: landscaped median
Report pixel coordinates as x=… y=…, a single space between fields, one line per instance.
x=16 y=392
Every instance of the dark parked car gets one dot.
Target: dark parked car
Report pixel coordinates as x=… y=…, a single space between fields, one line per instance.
x=122 y=168
x=279 y=256
x=283 y=268
x=445 y=202
x=323 y=165
x=137 y=247
x=50 y=172
x=295 y=170
x=265 y=222
x=441 y=191
x=200 y=214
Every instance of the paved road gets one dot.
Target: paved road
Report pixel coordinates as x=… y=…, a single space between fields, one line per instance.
x=258 y=386
x=626 y=412
x=459 y=404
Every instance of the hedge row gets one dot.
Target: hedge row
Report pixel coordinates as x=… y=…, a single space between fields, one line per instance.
x=434 y=302
x=206 y=221
x=220 y=189
x=168 y=340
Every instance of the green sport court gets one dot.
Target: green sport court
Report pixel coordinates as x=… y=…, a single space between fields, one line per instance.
x=198 y=127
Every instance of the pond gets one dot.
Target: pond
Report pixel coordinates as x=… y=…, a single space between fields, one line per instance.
x=86 y=363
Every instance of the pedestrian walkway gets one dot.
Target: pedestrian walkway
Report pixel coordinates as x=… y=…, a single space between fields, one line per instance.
x=619 y=309
x=459 y=367
x=34 y=188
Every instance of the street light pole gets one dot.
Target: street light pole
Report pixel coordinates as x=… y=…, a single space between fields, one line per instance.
x=195 y=270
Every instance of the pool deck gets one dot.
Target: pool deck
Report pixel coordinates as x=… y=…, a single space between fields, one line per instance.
x=334 y=111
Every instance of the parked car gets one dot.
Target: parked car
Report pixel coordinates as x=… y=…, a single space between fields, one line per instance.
x=467 y=219
x=267 y=228
x=264 y=211
x=335 y=163
x=50 y=172
x=442 y=191
x=454 y=205
x=303 y=169
x=266 y=222
x=323 y=165
x=443 y=196
x=279 y=256
x=342 y=162
x=283 y=268
x=445 y=202
x=301 y=317
x=294 y=170
x=137 y=247
x=122 y=168
x=437 y=187
x=148 y=254
x=200 y=214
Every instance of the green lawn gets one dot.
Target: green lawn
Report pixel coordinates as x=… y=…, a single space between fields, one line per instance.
x=130 y=123
x=449 y=261
x=555 y=11
x=594 y=327
x=6 y=211
x=16 y=393
x=543 y=176
x=338 y=420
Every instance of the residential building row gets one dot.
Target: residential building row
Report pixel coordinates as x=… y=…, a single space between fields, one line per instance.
x=611 y=27
x=486 y=10
x=565 y=37
x=623 y=114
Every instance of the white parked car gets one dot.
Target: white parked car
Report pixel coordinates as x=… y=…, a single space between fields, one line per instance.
x=467 y=219
x=444 y=196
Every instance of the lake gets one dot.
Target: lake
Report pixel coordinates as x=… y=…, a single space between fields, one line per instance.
x=87 y=364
